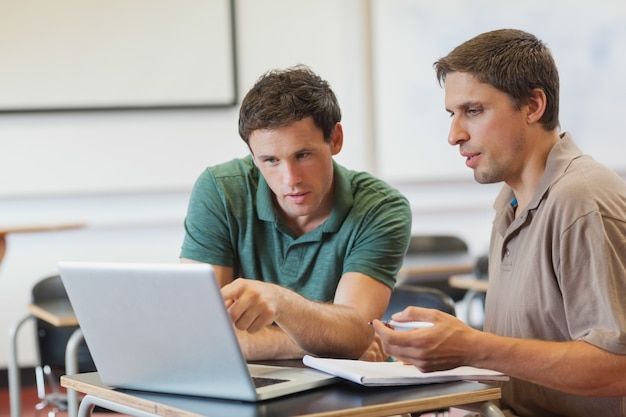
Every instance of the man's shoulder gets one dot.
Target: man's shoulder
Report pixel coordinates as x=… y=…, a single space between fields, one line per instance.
x=586 y=176
x=362 y=181
x=238 y=167
x=587 y=186
x=228 y=177
x=372 y=196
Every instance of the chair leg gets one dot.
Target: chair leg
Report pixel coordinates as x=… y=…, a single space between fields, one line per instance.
x=39 y=379
x=54 y=399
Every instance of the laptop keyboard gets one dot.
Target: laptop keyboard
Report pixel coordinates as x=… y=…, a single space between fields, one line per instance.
x=264 y=382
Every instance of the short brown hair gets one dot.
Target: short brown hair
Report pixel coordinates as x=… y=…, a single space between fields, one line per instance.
x=281 y=97
x=511 y=60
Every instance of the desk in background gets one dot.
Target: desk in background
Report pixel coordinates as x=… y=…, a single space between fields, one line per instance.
x=437 y=255
x=433 y=264
x=342 y=399
x=57 y=313
x=434 y=270
x=6 y=230
x=469 y=282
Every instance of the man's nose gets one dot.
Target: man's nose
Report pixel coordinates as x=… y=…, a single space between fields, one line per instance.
x=292 y=175
x=457 y=133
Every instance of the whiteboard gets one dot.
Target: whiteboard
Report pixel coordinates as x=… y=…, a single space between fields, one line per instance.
x=587 y=39
x=94 y=54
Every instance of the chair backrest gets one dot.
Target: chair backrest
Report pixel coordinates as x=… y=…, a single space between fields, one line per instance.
x=403 y=296
x=48 y=289
x=481 y=269
x=52 y=340
x=436 y=244
x=437 y=247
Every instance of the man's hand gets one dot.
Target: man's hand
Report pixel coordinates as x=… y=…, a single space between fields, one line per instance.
x=337 y=329
x=252 y=304
x=430 y=349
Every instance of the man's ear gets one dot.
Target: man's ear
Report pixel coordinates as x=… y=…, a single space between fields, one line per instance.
x=536 y=105
x=336 y=142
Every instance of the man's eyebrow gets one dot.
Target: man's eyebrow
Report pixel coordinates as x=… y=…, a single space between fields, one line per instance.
x=468 y=104
x=299 y=151
x=304 y=150
x=465 y=105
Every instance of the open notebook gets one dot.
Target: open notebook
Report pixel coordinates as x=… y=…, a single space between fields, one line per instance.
x=396 y=373
x=164 y=328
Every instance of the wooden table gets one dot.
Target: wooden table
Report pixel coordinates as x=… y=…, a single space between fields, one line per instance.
x=57 y=313
x=469 y=282
x=435 y=269
x=342 y=399
x=434 y=264
x=5 y=230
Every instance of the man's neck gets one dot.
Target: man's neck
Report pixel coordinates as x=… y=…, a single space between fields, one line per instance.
x=525 y=185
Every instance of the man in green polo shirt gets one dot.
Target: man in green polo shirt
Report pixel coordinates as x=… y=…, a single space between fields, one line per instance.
x=305 y=250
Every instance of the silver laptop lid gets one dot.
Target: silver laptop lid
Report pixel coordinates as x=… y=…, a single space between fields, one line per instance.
x=158 y=327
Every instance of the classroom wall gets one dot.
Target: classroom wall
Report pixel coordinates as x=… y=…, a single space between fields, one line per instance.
x=586 y=39
x=127 y=174
x=143 y=150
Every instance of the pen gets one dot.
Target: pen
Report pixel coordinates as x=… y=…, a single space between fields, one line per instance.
x=408 y=324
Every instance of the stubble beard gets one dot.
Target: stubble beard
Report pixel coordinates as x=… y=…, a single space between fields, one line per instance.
x=491 y=175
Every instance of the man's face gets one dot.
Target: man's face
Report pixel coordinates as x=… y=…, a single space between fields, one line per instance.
x=489 y=130
x=297 y=165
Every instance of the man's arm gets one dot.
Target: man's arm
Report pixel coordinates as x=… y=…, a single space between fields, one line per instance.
x=574 y=367
x=271 y=342
x=223 y=274
x=339 y=329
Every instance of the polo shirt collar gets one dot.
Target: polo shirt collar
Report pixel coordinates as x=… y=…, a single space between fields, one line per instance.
x=559 y=159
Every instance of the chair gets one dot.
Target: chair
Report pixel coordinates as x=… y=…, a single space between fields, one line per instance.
x=403 y=296
x=481 y=271
x=51 y=346
x=436 y=257
x=436 y=244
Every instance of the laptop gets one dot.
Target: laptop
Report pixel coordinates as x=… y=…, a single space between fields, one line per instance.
x=163 y=327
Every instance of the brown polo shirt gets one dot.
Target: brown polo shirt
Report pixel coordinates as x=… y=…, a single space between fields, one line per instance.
x=558 y=273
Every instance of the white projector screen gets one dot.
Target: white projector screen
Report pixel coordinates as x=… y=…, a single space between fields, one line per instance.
x=98 y=54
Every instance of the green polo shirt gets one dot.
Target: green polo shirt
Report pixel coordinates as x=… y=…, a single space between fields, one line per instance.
x=231 y=221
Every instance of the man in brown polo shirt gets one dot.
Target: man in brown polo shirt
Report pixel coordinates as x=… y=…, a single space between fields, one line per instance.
x=555 y=315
